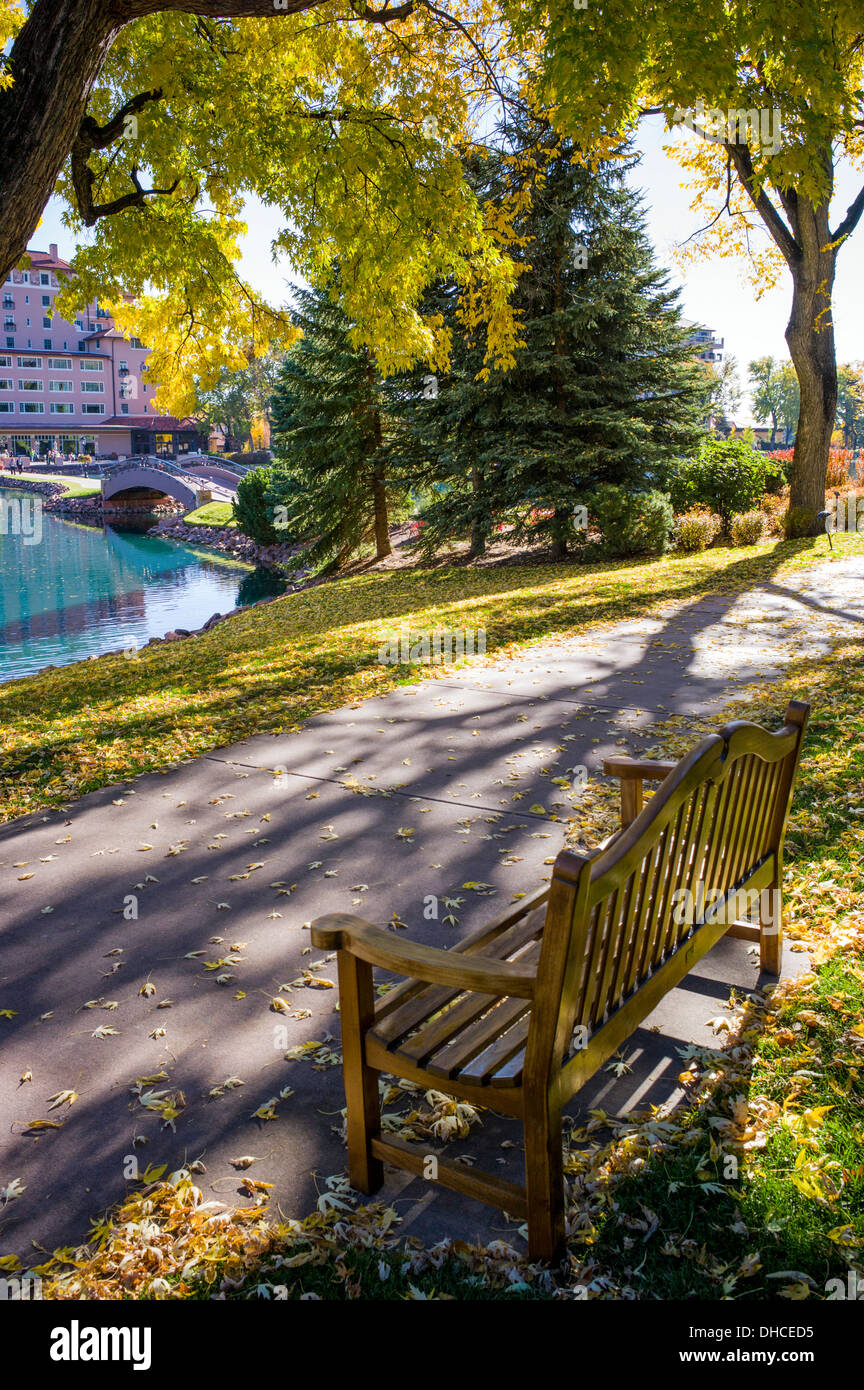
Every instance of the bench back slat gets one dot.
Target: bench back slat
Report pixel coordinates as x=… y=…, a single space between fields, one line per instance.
x=713 y=822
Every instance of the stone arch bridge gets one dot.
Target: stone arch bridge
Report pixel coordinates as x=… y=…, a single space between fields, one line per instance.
x=148 y=481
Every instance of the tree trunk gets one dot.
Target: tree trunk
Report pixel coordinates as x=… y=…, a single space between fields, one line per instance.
x=810 y=337
x=478 y=531
x=379 y=490
x=382 y=526
x=55 y=62
x=561 y=519
x=560 y=530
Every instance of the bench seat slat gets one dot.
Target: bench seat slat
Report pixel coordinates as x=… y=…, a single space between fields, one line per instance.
x=459 y=1056
x=447 y=1042
x=392 y=1023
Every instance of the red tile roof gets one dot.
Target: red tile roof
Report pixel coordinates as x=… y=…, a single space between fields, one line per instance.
x=44 y=258
x=152 y=422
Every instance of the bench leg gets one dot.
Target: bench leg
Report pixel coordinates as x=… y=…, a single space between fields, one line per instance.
x=771 y=929
x=544 y=1183
x=357 y=1009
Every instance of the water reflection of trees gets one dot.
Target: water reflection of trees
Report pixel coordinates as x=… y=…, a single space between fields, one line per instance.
x=260 y=583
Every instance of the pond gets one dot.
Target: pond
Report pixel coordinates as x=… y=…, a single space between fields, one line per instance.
x=69 y=591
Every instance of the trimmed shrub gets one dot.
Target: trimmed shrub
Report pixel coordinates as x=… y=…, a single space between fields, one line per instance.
x=726 y=476
x=252 y=513
x=747 y=528
x=696 y=529
x=632 y=523
x=257 y=458
x=773 y=509
x=776 y=473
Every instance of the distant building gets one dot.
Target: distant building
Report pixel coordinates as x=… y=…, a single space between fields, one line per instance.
x=708 y=347
x=75 y=387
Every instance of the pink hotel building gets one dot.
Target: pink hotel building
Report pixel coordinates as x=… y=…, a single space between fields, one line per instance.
x=78 y=387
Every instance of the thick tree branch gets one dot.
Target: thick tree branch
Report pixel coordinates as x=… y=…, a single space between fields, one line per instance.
x=851 y=220
x=126 y=10
x=99 y=137
x=740 y=156
x=82 y=178
x=384 y=15
x=93 y=136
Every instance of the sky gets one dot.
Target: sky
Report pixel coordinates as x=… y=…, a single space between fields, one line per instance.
x=716 y=292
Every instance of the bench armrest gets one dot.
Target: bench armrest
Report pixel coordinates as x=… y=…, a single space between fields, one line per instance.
x=341 y=931
x=649 y=769
x=632 y=773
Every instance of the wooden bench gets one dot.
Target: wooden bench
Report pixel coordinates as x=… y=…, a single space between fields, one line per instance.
x=519 y=1015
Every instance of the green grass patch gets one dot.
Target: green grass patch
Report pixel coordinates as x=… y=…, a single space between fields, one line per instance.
x=72 y=487
x=66 y=732
x=212 y=514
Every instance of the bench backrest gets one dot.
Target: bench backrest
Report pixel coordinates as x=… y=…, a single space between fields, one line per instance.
x=714 y=828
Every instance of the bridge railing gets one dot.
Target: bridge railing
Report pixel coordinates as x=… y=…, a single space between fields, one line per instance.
x=135 y=463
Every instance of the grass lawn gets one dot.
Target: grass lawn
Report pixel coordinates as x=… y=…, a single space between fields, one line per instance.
x=212 y=514
x=69 y=731
x=73 y=487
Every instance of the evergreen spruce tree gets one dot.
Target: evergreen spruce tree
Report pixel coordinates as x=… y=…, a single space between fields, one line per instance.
x=605 y=388
x=331 y=439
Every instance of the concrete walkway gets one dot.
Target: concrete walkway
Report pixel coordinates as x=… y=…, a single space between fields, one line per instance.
x=225 y=861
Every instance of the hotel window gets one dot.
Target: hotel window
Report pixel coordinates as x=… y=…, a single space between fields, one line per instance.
x=6 y=383
x=46 y=320
x=136 y=343
x=60 y=364
x=29 y=384
x=124 y=409
x=5 y=361
x=62 y=408
x=46 y=301
x=93 y=409
x=47 y=344
x=9 y=324
x=93 y=386
x=44 y=278
x=32 y=408
x=92 y=366
x=8 y=301
x=60 y=386
x=30 y=362
x=7 y=408
x=10 y=342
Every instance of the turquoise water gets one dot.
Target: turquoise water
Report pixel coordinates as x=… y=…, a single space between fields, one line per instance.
x=79 y=590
